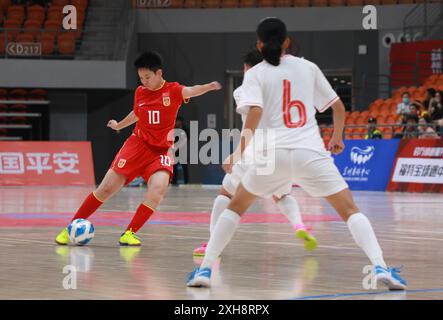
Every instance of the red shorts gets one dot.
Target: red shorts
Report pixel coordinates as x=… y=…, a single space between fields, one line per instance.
x=137 y=159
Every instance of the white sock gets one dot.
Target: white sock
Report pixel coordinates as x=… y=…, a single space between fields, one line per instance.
x=289 y=207
x=220 y=237
x=220 y=204
x=365 y=238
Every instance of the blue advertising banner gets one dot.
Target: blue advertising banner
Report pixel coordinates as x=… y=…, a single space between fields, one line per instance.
x=367 y=164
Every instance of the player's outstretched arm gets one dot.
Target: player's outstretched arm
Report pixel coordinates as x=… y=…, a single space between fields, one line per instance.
x=198 y=90
x=251 y=124
x=336 y=144
x=130 y=119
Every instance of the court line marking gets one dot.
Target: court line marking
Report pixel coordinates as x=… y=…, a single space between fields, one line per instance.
x=354 y=294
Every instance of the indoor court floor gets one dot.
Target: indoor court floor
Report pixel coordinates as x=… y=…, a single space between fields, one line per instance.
x=264 y=260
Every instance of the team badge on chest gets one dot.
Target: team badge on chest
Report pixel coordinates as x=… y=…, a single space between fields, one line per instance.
x=166 y=99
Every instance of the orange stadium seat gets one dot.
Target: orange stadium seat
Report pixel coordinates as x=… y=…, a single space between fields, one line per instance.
x=56 y=15
x=365 y=113
x=52 y=26
x=362 y=119
x=335 y=3
x=47 y=40
x=60 y=2
x=381 y=119
x=66 y=43
x=247 y=3
x=348 y=133
x=4 y=4
x=355 y=114
x=13 y=27
x=354 y=2
x=32 y=26
x=193 y=3
x=229 y=3
x=25 y=37
x=319 y=3
x=301 y=3
x=389 y=101
x=3 y=108
x=349 y=121
x=374 y=2
x=392 y=107
x=80 y=4
x=176 y=4
x=283 y=3
x=266 y=3
x=374 y=108
x=390 y=119
x=387 y=132
x=36 y=12
x=16 y=9
x=211 y=4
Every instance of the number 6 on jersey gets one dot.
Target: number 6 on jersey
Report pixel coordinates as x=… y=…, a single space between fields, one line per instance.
x=288 y=105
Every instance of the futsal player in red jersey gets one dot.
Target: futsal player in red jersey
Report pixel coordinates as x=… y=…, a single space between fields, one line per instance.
x=146 y=152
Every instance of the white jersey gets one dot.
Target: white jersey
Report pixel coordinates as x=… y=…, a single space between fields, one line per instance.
x=290 y=94
x=243 y=109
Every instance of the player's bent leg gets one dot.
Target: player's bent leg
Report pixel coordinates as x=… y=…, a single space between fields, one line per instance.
x=288 y=206
x=222 y=235
x=220 y=204
x=157 y=187
x=364 y=236
x=111 y=183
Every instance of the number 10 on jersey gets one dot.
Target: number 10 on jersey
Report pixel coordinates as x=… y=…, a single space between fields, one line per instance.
x=153 y=117
x=288 y=105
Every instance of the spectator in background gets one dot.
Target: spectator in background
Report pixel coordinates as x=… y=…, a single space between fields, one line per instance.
x=414 y=109
x=425 y=129
x=436 y=107
x=180 y=141
x=373 y=132
x=430 y=94
x=410 y=130
x=403 y=107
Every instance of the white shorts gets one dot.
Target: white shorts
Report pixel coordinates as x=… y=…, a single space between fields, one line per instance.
x=314 y=171
x=232 y=180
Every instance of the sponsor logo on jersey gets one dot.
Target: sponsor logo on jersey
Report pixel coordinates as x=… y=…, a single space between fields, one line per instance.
x=166 y=100
x=121 y=163
x=361 y=156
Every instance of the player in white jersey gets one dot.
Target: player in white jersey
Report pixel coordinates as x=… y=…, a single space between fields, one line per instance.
x=283 y=94
x=287 y=204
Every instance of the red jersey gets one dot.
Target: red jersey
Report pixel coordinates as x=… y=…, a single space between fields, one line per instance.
x=157 y=112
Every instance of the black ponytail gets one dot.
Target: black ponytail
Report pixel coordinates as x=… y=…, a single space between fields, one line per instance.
x=272 y=52
x=272 y=32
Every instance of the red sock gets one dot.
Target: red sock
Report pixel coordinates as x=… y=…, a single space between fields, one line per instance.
x=89 y=206
x=142 y=215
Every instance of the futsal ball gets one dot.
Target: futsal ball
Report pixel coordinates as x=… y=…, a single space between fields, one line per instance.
x=80 y=232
